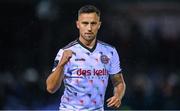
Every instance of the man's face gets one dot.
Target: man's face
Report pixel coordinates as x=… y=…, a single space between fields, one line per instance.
x=88 y=25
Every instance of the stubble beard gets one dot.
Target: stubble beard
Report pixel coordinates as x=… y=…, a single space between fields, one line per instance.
x=88 y=38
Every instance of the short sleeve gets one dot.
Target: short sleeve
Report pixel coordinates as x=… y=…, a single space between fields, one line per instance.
x=115 y=63
x=57 y=58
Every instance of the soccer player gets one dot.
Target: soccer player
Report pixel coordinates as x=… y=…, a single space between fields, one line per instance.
x=84 y=66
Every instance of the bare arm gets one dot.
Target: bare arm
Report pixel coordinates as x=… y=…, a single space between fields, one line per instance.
x=119 y=90
x=54 y=80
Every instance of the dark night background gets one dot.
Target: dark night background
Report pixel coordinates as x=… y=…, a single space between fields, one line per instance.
x=146 y=34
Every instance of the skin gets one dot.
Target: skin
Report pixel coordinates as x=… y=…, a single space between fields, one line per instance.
x=119 y=90
x=88 y=25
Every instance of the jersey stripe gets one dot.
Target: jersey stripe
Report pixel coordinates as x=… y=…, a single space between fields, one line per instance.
x=70 y=44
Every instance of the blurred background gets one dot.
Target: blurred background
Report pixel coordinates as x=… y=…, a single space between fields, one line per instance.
x=145 y=32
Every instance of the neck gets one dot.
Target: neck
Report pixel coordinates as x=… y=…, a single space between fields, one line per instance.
x=89 y=44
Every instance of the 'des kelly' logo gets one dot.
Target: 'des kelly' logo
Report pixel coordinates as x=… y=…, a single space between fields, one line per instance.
x=88 y=72
x=104 y=59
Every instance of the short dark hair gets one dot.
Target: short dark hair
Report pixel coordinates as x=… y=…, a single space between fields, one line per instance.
x=89 y=9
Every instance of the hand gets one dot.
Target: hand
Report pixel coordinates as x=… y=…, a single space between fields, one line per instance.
x=67 y=54
x=114 y=102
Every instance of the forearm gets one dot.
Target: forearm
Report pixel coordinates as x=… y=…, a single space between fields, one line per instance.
x=119 y=90
x=119 y=85
x=54 y=80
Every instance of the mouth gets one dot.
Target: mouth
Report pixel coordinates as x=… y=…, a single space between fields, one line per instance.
x=88 y=33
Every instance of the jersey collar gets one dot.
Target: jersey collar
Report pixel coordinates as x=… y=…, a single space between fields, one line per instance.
x=89 y=49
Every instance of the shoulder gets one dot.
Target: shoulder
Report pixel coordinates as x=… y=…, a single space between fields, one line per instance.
x=68 y=46
x=71 y=44
x=107 y=47
x=105 y=44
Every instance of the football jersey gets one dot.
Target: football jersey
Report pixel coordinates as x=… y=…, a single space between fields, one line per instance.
x=86 y=75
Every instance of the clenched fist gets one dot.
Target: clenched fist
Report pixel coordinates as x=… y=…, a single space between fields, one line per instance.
x=67 y=54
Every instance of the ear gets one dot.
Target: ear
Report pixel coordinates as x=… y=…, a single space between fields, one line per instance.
x=99 y=25
x=77 y=24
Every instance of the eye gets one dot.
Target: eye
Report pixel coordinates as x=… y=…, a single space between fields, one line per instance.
x=93 y=23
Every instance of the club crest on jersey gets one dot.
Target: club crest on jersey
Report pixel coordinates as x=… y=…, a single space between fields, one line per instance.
x=104 y=59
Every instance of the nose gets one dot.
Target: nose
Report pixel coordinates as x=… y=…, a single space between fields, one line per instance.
x=89 y=27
